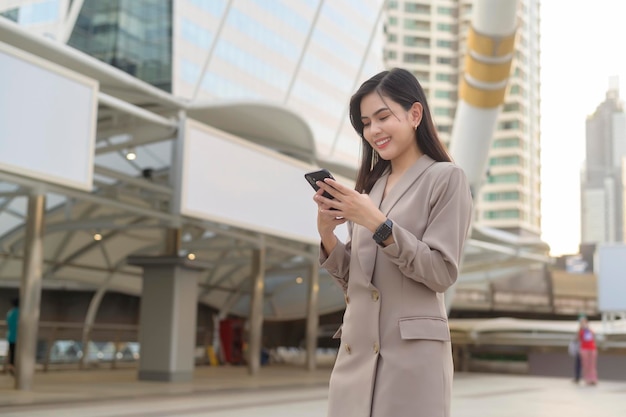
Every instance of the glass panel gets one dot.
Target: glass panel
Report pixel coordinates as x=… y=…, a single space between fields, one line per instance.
x=134 y=36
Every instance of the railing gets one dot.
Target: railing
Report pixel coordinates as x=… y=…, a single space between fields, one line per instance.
x=61 y=345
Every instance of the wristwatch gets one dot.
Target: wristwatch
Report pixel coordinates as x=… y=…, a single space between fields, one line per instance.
x=383 y=232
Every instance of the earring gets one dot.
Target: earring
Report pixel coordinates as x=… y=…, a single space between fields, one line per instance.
x=374 y=160
x=415 y=127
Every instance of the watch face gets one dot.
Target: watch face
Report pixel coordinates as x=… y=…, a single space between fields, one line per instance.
x=383 y=231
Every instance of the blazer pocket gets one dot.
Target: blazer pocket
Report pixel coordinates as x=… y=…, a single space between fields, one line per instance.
x=337 y=334
x=427 y=328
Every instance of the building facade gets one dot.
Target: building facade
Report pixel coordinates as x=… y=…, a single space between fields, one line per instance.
x=428 y=37
x=603 y=176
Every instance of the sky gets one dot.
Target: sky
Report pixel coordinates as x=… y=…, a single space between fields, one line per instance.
x=583 y=44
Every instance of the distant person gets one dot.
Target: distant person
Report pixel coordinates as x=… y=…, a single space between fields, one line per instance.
x=12 y=323
x=588 y=352
x=408 y=217
x=574 y=352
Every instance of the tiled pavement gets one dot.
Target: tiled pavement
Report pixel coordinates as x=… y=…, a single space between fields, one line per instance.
x=287 y=391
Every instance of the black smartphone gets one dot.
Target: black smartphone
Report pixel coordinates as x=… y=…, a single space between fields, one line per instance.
x=313 y=177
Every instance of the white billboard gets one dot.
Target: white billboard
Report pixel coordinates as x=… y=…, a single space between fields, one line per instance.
x=228 y=180
x=47 y=120
x=610 y=265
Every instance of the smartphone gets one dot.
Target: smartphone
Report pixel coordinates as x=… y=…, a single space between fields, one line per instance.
x=313 y=177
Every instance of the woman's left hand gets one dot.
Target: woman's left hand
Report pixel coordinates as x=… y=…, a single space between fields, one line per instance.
x=350 y=204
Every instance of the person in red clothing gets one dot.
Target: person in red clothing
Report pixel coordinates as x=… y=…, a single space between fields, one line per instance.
x=588 y=352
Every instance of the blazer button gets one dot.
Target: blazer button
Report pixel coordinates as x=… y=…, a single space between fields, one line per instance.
x=376 y=348
x=348 y=349
x=375 y=295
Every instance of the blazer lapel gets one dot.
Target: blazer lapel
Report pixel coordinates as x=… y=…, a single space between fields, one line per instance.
x=366 y=247
x=405 y=182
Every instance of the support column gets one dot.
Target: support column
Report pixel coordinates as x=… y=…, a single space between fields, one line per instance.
x=30 y=294
x=167 y=322
x=256 y=311
x=312 y=316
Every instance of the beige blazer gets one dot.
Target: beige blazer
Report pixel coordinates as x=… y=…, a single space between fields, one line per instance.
x=395 y=356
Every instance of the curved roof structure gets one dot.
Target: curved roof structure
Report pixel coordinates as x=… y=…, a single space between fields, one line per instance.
x=267 y=124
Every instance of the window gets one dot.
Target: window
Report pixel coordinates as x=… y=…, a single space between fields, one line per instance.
x=416 y=25
x=509 y=125
x=416 y=8
x=445 y=77
x=416 y=41
x=504 y=160
x=416 y=58
x=504 y=179
x=442 y=43
x=445 y=27
x=502 y=196
x=421 y=75
x=506 y=143
x=446 y=60
x=444 y=94
x=502 y=214
x=391 y=54
x=511 y=107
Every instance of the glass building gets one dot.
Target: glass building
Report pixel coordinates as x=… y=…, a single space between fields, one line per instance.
x=134 y=36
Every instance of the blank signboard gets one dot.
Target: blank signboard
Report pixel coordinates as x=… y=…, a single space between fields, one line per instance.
x=228 y=180
x=47 y=120
x=611 y=269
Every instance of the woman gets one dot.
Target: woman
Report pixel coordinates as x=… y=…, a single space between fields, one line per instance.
x=408 y=220
x=588 y=352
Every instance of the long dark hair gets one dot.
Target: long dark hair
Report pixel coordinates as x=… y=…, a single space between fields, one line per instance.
x=403 y=88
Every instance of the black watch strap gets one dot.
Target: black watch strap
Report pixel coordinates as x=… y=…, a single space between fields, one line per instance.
x=383 y=232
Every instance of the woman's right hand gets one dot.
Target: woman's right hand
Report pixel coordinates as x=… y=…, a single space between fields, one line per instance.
x=327 y=221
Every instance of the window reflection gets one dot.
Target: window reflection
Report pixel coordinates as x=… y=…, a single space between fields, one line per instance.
x=135 y=37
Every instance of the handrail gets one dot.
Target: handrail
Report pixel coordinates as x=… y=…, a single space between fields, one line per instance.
x=120 y=335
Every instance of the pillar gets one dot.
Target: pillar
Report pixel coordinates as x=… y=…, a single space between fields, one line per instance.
x=167 y=323
x=312 y=316
x=256 y=311
x=30 y=294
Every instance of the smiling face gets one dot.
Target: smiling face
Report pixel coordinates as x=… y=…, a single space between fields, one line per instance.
x=390 y=129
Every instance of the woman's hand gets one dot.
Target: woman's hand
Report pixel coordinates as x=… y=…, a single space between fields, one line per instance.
x=327 y=219
x=348 y=204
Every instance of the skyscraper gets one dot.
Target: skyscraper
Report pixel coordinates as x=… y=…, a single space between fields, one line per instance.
x=428 y=37
x=602 y=179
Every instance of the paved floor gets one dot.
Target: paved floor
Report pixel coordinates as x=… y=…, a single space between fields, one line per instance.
x=287 y=391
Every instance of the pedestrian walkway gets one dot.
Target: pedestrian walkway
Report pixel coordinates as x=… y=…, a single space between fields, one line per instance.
x=288 y=391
